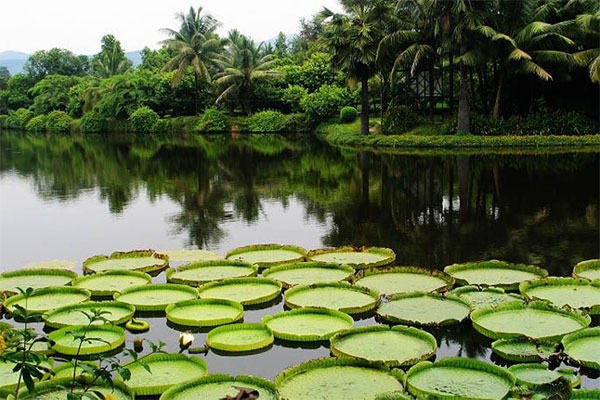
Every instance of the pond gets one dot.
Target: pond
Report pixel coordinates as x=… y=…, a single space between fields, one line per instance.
x=70 y=198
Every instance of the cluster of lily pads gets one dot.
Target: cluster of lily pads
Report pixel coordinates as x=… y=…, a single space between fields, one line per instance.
x=531 y=317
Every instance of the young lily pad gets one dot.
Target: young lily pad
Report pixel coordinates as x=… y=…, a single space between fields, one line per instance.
x=137 y=260
x=478 y=297
x=425 y=309
x=339 y=296
x=110 y=337
x=589 y=269
x=205 y=312
x=49 y=298
x=459 y=378
x=585 y=394
x=333 y=378
x=583 y=347
x=10 y=281
x=537 y=320
x=307 y=324
x=137 y=325
x=105 y=284
x=535 y=375
x=191 y=256
x=115 y=312
x=308 y=273
x=155 y=297
x=247 y=291
x=52 y=264
x=267 y=255
x=240 y=337
x=221 y=386
x=395 y=280
x=397 y=346
x=575 y=293
x=357 y=257
x=495 y=273
x=203 y=272
x=154 y=374
x=59 y=389
x=521 y=349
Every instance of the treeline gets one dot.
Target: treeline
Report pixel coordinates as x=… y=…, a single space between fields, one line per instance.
x=487 y=65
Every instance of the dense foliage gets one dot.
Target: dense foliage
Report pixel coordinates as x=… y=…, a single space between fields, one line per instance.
x=92 y=122
x=266 y=121
x=212 y=120
x=348 y=114
x=58 y=122
x=144 y=119
x=557 y=123
x=400 y=119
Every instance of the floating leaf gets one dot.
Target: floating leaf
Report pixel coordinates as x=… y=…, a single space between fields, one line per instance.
x=240 y=337
x=247 y=291
x=395 y=280
x=307 y=324
x=426 y=309
x=589 y=269
x=115 y=312
x=494 y=273
x=356 y=257
x=105 y=338
x=340 y=296
x=185 y=255
x=47 y=299
x=220 y=386
x=155 y=297
x=106 y=284
x=205 y=312
x=137 y=260
x=308 y=273
x=267 y=255
x=10 y=281
x=575 y=293
x=203 y=272
x=583 y=347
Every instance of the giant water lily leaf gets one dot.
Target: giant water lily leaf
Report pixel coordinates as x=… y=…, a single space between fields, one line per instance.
x=46 y=299
x=538 y=375
x=357 y=257
x=75 y=314
x=105 y=284
x=390 y=281
x=156 y=297
x=247 y=291
x=59 y=389
x=106 y=338
x=220 y=386
x=190 y=256
x=308 y=273
x=494 y=273
x=478 y=297
x=521 y=349
x=137 y=260
x=10 y=281
x=307 y=324
x=267 y=255
x=336 y=296
x=583 y=347
x=576 y=293
x=240 y=337
x=589 y=269
x=203 y=272
x=204 y=312
x=427 y=309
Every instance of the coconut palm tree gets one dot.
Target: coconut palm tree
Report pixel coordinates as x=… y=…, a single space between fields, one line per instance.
x=196 y=46
x=588 y=25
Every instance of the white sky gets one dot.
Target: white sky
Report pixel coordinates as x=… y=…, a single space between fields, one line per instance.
x=78 y=25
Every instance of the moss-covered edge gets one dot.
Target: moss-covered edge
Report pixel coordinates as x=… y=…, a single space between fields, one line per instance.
x=40 y=271
x=242 y=380
x=205 y=322
x=97 y=348
x=115 y=272
x=437 y=296
x=363 y=273
x=584 y=266
x=258 y=247
x=524 y=287
x=307 y=264
x=339 y=285
x=252 y=271
x=308 y=310
x=570 y=339
x=155 y=286
x=390 y=255
x=89 y=306
x=161 y=263
x=494 y=264
x=531 y=357
x=238 y=281
x=52 y=290
x=404 y=330
x=238 y=348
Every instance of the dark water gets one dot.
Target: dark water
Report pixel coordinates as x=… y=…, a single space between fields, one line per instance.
x=70 y=198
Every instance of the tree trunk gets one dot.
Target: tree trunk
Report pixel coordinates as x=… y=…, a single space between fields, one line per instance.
x=498 y=102
x=382 y=95
x=451 y=81
x=364 y=99
x=196 y=94
x=464 y=110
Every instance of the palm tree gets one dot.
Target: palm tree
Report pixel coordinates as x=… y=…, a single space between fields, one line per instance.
x=196 y=46
x=111 y=60
x=353 y=39
x=589 y=26
x=246 y=66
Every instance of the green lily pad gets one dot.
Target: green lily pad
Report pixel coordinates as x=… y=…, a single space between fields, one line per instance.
x=459 y=378
x=356 y=257
x=247 y=291
x=10 y=281
x=308 y=273
x=589 y=269
x=267 y=255
x=332 y=378
x=116 y=312
x=105 y=284
x=166 y=371
x=585 y=394
x=49 y=298
x=203 y=272
x=307 y=324
x=575 y=293
x=218 y=387
x=397 y=346
x=521 y=349
x=52 y=264
x=191 y=256
x=58 y=389
x=65 y=370
x=9 y=378
x=583 y=347
x=535 y=375
x=339 y=296
x=478 y=297
x=425 y=309
x=137 y=260
x=537 y=320
x=495 y=273
x=390 y=281
x=156 y=297
x=205 y=312
x=111 y=337
x=240 y=337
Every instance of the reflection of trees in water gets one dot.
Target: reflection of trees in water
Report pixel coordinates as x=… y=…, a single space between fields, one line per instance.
x=431 y=210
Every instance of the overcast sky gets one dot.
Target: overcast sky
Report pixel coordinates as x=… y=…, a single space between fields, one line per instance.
x=78 y=25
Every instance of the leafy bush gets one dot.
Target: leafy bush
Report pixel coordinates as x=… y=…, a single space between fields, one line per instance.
x=37 y=124
x=92 y=122
x=299 y=123
x=557 y=123
x=348 y=114
x=3 y=121
x=19 y=119
x=400 y=119
x=211 y=120
x=58 y=122
x=293 y=96
x=326 y=101
x=144 y=119
x=266 y=121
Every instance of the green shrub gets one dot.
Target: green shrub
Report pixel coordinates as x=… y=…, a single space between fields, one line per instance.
x=266 y=121
x=557 y=123
x=19 y=119
x=92 y=122
x=211 y=120
x=3 y=121
x=326 y=101
x=400 y=119
x=37 y=124
x=58 y=122
x=293 y=96
x=299 y=123
x=144 y=119
x=348 y=114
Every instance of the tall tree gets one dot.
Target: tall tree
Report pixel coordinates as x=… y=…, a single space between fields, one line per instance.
x=111 y=60
x=55 y=62
x=588 y=26
x=281 y=45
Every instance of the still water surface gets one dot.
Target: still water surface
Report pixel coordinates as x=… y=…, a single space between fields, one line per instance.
x=71 y=198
